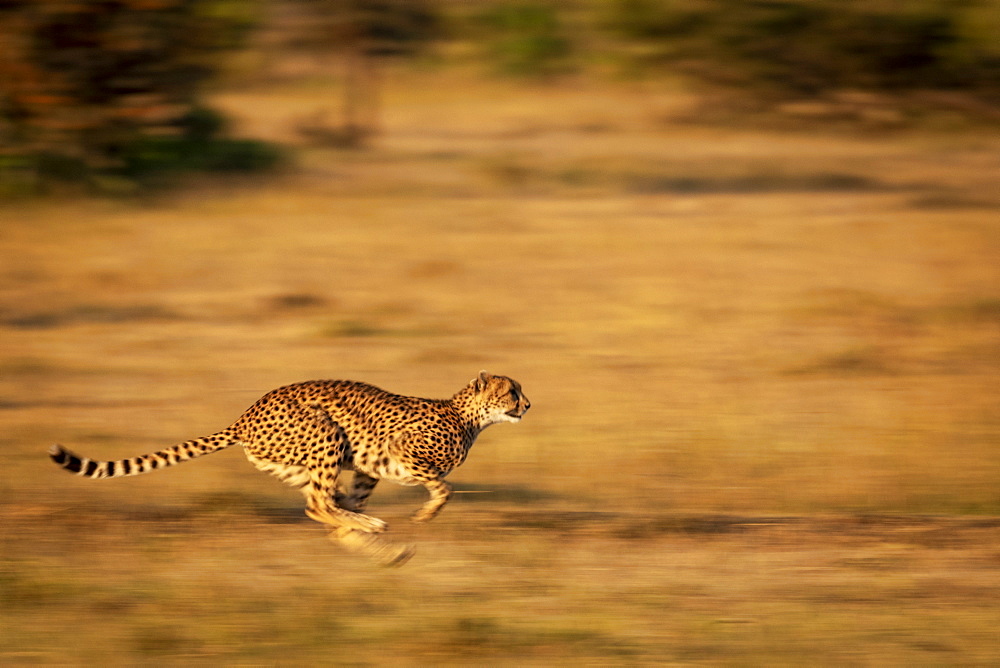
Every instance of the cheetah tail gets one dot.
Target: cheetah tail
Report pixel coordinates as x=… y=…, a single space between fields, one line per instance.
x=91 y=468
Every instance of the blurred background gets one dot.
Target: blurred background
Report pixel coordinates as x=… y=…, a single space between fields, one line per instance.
x=741 y=255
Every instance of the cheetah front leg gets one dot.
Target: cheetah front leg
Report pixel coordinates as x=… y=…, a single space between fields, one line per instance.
x=440 y=492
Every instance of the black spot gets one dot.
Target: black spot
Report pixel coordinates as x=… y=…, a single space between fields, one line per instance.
x=59 y=456
x=73 y=464
x=91 y=467
x=153 y=463
x=126 y=467
x=111 y=469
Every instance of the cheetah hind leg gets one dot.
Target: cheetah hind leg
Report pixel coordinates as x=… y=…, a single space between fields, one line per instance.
x=319 y=487
x=373 y=546
x=324 y=464
x=321 y=506
x=361 y=488
x=367 y=544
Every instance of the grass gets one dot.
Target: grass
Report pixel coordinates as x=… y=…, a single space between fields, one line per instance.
x=762 y=369
x=693 y=588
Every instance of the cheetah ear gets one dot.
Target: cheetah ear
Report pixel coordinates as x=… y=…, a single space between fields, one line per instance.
x=481 y=381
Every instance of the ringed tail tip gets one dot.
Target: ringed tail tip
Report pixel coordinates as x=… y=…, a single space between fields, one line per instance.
x=65 y=459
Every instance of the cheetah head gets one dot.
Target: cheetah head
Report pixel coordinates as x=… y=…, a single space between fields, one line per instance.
x=498 y=398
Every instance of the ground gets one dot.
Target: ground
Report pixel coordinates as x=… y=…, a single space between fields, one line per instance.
x=762 y=367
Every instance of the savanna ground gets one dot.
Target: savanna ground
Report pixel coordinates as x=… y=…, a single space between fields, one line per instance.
x=763 y=368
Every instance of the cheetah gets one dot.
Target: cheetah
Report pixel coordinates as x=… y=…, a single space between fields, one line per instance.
x=306 y=434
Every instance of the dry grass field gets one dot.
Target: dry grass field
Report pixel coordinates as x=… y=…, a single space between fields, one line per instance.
x=763 y=368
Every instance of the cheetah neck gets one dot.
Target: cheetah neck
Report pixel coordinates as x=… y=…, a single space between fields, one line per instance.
x=473 y=416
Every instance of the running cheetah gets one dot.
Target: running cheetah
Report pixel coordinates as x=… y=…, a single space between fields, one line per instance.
x=307 y=433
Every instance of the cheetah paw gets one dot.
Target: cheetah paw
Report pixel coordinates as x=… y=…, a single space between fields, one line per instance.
x=347 y=519
x=373 y=546
x=422 y=516
x=367 y=523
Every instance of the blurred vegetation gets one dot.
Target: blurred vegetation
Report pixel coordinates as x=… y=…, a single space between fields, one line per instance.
x=810 y=46
x=109 y=93
x=526 y=38
x=360 y=32
x=380 y=27
x=112 y=93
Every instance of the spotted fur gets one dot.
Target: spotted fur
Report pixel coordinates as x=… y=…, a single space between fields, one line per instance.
x=308 y=433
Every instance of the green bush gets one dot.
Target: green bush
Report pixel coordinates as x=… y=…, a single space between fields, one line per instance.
x=526 y=38
x=112 y=88
x=807 y=46
x=200 y=146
